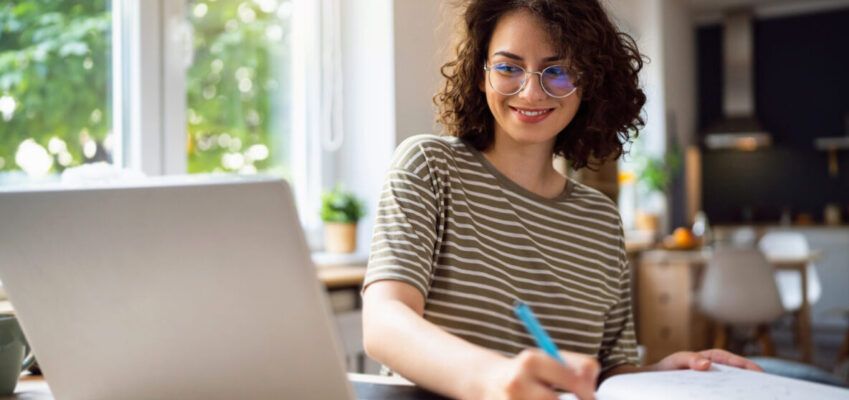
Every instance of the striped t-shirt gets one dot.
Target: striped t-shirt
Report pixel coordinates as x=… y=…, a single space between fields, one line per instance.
x=473 y=242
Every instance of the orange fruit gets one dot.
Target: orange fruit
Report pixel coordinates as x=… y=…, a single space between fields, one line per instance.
x=684 y=238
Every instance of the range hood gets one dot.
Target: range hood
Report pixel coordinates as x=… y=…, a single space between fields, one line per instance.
x=739 y=129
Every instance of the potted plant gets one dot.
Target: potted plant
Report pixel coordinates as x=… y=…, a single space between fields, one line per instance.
x=654 y=175
x=340 y=211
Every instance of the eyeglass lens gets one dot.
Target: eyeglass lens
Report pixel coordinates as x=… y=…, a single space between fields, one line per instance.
x=508 y=79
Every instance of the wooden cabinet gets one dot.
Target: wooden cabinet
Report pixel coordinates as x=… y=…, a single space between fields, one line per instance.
x=666 y=311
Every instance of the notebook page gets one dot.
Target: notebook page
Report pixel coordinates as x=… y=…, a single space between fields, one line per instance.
x=721 y=382
x=570 y=396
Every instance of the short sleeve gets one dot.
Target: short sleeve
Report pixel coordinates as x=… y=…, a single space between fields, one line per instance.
x=405 y=229
x=619 y=345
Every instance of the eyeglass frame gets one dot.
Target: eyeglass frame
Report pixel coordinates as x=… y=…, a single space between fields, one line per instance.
x=488 y=69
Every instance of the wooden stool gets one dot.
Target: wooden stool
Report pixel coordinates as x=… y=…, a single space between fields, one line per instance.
x=843 y=353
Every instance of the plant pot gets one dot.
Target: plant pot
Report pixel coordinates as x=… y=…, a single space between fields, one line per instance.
x=648 y=222
x=340 y=238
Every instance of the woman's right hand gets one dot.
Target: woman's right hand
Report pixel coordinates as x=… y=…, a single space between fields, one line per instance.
x=534 y=375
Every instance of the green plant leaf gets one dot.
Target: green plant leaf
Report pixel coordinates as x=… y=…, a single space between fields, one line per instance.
x=341 y=206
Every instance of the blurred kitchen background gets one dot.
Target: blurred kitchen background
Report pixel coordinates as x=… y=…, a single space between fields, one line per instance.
x=746 y=146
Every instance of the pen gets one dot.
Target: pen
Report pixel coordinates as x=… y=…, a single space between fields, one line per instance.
x=535 y=330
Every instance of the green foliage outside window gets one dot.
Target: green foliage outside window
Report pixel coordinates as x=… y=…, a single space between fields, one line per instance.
x=55 y=83
x=54 y=77
x=238 y=91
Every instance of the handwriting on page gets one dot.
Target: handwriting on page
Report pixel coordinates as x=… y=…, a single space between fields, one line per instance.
x=720 y=382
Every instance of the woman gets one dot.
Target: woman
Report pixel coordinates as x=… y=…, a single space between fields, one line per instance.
x=469 y=223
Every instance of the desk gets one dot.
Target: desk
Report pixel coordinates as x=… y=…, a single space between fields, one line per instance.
x=667 y=318
x=366 y=387
x=336 y=277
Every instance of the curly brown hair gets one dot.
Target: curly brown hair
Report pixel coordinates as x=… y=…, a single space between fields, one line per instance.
x=607 y=60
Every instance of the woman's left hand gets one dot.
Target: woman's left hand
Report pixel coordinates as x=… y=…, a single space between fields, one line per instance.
x=701 y=361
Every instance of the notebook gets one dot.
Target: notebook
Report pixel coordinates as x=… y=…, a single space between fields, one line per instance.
x=719 y=383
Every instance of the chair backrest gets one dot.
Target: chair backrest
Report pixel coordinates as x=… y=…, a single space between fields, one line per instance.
x=738 y=287
x=744 y=237
x=792 y=245
x=784 y=244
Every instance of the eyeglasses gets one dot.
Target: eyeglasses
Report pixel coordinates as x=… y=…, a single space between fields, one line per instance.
x=509 y=79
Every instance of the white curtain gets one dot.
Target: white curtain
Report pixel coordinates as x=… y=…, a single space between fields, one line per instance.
x=332 y=134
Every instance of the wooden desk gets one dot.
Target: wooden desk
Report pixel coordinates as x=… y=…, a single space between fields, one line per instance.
x=666 y=313
x=341 y=276
x=31 y=388
x=371 y=387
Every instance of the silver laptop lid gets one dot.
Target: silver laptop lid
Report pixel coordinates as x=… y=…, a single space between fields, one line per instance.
x=170 y=289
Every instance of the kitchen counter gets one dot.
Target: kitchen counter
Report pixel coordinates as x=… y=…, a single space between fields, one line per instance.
x=774 y=226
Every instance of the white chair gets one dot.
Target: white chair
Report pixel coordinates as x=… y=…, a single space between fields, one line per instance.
x=745 y=236
x=792 y=245
x=738 y=288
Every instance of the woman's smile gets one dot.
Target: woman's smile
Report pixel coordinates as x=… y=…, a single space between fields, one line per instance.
x=531 y=115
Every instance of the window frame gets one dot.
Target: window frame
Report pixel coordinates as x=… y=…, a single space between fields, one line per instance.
x=150 y=38
x=145 y=113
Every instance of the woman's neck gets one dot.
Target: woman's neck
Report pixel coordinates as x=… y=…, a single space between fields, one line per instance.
x=528 y=165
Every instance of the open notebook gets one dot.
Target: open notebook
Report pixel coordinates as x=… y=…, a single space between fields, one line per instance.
x=721 y=382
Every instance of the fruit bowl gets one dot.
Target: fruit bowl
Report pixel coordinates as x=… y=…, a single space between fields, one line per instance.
x=680 y=239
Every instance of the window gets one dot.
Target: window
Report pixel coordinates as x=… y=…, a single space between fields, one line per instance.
x=239 y=87
x=55 y=87
x=163 y=87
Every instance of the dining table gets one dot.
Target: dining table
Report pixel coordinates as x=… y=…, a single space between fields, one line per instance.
x=665 y=286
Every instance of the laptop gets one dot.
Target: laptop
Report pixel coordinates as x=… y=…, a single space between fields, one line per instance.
x=171 y=288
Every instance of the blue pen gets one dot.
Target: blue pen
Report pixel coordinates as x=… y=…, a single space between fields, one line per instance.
x=535 y=330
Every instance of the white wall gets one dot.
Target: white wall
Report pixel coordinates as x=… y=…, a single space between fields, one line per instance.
x=422 y=43
x=679 y=66
x=369 y=103
x=679 y=60
x=392 y=51
x=643 y=20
